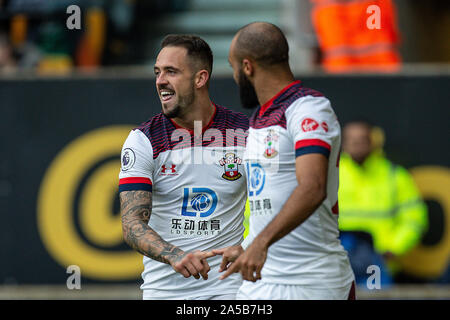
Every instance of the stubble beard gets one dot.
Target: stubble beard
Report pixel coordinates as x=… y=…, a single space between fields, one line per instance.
x=182 y=106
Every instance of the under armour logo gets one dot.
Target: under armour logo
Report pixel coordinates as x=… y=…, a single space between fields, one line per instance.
x=172 y=168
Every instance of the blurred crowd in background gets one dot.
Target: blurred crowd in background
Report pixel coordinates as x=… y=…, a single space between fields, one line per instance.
x=336 y=35
x=34 y=35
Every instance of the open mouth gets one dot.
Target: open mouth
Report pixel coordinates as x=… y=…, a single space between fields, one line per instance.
x=166 y=95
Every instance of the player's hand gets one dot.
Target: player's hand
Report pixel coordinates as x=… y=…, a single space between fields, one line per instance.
x=229 y=255
x=193 y=264
x=249 y=263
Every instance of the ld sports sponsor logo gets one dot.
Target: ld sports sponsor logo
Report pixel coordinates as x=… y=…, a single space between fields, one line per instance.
x=256 y=179
x=198 y=202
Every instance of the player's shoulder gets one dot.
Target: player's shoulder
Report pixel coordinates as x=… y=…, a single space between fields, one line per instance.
x=305 y=98
x=231 y=119
x=155 y=127
x=157 y=130
x=152 y=123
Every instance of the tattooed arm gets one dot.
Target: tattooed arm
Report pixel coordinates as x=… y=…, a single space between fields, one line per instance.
x=135 y=208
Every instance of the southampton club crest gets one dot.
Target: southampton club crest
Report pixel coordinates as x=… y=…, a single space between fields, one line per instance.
x=230 y=162
x=269 y=141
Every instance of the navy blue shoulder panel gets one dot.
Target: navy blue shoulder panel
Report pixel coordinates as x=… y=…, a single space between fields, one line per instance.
x=275 y=114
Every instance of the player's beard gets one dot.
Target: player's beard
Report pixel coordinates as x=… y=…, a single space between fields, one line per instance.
x=184 y=101
x=249 y=99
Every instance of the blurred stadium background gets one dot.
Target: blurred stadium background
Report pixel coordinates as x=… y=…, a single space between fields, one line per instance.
x=68 y=99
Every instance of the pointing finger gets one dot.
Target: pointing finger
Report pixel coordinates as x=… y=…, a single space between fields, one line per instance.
x=208 y=254
x=218 y=251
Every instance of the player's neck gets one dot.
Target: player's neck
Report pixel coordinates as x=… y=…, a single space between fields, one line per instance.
x=270 y=84
x=202 y=109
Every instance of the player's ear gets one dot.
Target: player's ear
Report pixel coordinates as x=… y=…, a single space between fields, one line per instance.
x=247 y=67
x=201 y=78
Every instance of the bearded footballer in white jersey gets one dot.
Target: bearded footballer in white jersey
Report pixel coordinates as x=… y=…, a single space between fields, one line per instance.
x=182 y=184
x=292 y=154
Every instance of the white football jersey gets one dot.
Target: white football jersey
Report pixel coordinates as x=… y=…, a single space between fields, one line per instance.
x=199 y=191
x=295 y=122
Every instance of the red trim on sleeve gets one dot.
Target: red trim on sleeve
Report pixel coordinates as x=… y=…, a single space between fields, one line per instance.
x=311 y=142
x=135 y=180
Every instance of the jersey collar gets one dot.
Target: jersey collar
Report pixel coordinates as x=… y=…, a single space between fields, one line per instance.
x=204 y=128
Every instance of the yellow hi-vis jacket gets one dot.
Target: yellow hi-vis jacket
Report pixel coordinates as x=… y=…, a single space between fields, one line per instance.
x=381 y=198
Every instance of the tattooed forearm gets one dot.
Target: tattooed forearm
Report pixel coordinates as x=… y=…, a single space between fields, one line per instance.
x=135 y=208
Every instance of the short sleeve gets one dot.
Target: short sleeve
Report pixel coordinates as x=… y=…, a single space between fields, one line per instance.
x=313 y=126
x=136 y=163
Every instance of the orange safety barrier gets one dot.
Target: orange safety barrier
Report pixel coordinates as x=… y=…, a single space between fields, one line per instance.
x=18 y=31
x=90 y=49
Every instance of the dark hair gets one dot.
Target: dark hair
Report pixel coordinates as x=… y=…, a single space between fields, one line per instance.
x=197 y=49
x=264 y=42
